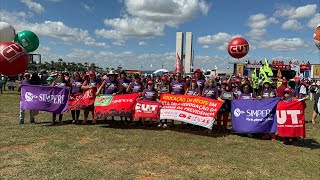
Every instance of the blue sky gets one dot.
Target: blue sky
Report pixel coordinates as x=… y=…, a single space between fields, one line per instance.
x=137 y=33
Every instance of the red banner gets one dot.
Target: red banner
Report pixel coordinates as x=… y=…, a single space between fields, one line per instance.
x=81 y=101
x=190 y=109
x=290 y=119
x=147 y=109
x=119 y=105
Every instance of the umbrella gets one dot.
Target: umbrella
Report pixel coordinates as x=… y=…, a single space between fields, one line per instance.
x=160 y=72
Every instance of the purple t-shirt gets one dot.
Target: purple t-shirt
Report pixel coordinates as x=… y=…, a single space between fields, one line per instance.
x=24 y=82
x=111 y=86
x=268 y=94
x=178 y=87
x=125 y=83
x=149 y=95
x=210 y=92
x=76 y=86
x=200 y=83
x=236 y=91
x=193 y=92
x=136 y=87
x=245 y=96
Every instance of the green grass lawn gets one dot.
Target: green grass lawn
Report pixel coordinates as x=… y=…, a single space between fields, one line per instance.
x=42 y=151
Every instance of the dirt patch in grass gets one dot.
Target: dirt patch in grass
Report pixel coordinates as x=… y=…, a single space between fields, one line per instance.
x=91 y=159
x=17 y=147
x=85 y=140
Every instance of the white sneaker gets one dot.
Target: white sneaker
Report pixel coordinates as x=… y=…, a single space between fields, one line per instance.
x=165 y=125
x=159 y=125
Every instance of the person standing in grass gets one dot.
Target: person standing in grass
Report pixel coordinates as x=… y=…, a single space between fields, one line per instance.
x=227 y=95
x=288 y=97
x=163 y=88
x=26 y=81
x=316 y=106
x=76 y=83
x=149 y=94
x=91 y=83
x=1 y=83
x=59 y=82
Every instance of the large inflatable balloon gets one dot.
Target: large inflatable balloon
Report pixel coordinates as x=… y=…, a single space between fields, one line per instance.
x=7 y=32
x=238 y=47
x=316 y=36
x=13 y=59
x=28 y=40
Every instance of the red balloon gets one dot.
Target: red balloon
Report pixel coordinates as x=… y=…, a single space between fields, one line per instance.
x=238 y=47
x=13 y=59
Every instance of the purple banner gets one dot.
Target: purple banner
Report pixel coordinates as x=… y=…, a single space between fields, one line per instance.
x=44 y=98
x=254 y=116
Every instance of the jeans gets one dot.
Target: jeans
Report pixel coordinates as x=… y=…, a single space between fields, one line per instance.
x=22 y=115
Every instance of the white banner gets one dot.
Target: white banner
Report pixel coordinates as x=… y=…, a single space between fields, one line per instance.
x=186 y=117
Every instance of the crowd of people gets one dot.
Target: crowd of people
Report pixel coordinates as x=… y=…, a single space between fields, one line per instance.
x=150 y=88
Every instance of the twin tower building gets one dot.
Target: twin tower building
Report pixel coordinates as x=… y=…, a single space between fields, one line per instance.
x=185 y=52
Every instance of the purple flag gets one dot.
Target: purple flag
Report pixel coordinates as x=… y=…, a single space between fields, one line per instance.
x=44 y=98
x=254 y=116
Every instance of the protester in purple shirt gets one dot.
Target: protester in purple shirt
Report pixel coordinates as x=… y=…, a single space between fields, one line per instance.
x=59 y=82
x=136 y=86
x=25 y=81
x=193 y=89
x=111 y=85
x=124 y=81
x=267 y=91
x=246 y=92
x=198 y=75
x=76 y=83
x=150 y=93
x=210 y=90
x=178 y=86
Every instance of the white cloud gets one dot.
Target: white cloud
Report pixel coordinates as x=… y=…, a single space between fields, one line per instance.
x=153 y=16
x=291 y=24
x=283 y=44
x=314 y=21
x=33 y=6
x=221 y=39
x=54 y=29
x=142 y=43
x=206 y=46
x=87 y=7
x=258 y=24
x=290 y=12
x=118 y=43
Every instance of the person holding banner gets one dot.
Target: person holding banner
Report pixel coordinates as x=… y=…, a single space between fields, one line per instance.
x=76 y=83
x=90 y=83
x=193 y=89
x=136 y=86
x=150 y=93
x=25 y=81
x=227 y=95
x=288 y=97
x=246 y=92
x=59 y=82
x=280 y=90
x=111 y=86
x=210 y=90
x=267 y=91
x=198 y=75
x=163 y=87
x=178 y=86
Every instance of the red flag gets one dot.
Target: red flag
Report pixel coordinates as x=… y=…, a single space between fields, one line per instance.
x=178 y=67
x=290 y=119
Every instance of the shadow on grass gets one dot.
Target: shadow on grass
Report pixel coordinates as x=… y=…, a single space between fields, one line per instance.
x=306 y=143
x=182 y=128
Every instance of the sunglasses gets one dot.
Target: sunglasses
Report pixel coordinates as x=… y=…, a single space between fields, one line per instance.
x=286 y=93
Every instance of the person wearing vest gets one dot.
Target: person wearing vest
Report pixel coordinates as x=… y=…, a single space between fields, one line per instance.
x=59 y=82
x=76 y=83
x=90 y=83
